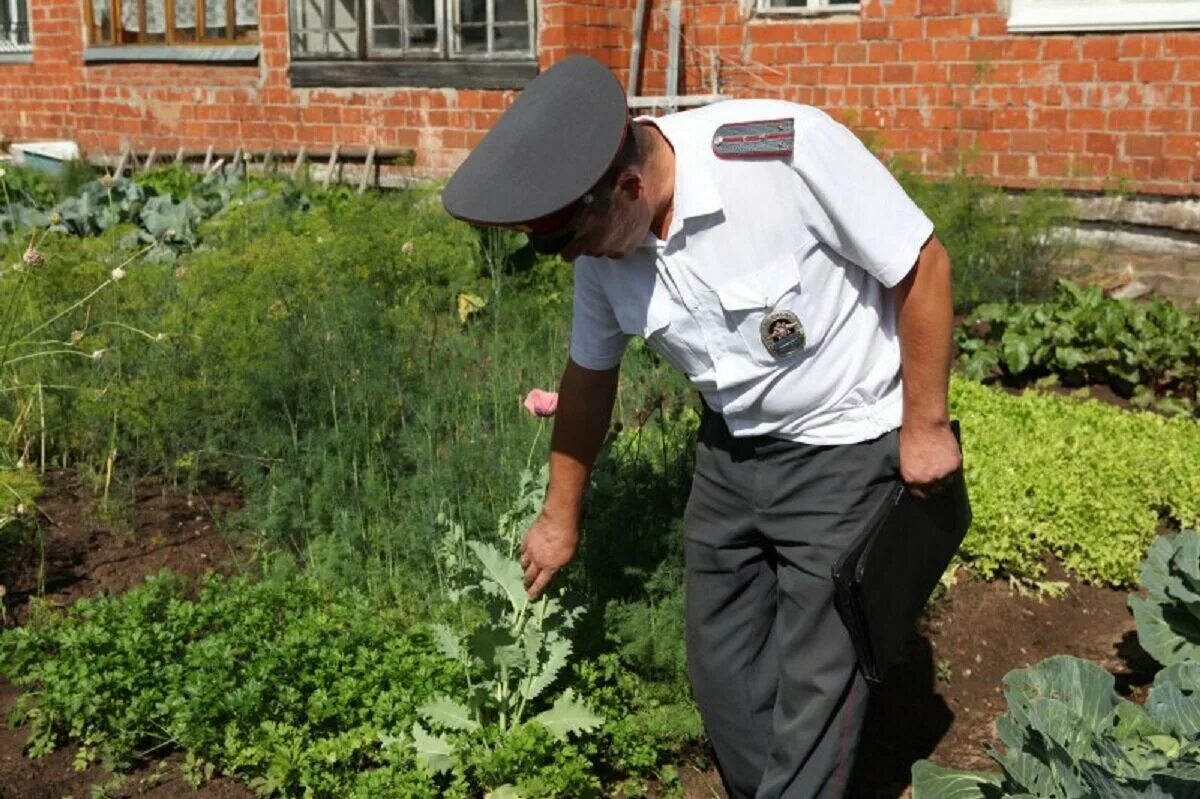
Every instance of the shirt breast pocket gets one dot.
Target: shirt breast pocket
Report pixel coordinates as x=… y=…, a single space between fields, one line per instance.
x=775 y=290
x=649 y=315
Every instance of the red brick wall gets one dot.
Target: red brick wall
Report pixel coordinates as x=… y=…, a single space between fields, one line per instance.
x=937 y=81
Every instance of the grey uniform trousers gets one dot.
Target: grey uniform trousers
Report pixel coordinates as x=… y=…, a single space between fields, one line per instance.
x=771 y=664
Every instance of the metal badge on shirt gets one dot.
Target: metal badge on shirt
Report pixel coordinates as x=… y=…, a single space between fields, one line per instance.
x=781 y=333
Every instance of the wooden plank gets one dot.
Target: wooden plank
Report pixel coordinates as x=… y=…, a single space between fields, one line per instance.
x=333 y=159
x=148 y=164
x=179 y=156
x=169 y=10
x=237 y=159
x=89 y=19
x=441 y=74
x=681 y=100
x=207 y=159
x=673 y=48
x=216 y=167
x=120 y=171
x=268 y=161
x=370 y=164
x=299 y=163
x=635 y=52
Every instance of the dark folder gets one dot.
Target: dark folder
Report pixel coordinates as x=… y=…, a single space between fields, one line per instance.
x=888 y=574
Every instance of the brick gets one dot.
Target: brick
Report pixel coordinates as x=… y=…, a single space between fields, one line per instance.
x=865 y=74
x=839 y=31
x=1155 y=71
x=1139 y=45
x=1013 y=165
x=992 y=26
x=907 y=28
x=1029 y=141
x=949 y=27
x=1181 y=45
x=1077 y=71
x=1181 y=145
x=951 y=50
x=1060 y=48
x=915 y=51
x=1182 y=170
x=1100 y=47
x=1168 y=120
x=1050 y=119
x=875 y=29
x=850 y=53
x=1127 y=119
x=834 y=75
x=1115 y=71
x=1140 y=144
x=818 y=53
x=1011 y=118
x=1101 y=143
x=883 y=53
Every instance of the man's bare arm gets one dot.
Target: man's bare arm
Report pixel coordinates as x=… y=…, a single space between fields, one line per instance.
x=585 y=401
x=928 y=451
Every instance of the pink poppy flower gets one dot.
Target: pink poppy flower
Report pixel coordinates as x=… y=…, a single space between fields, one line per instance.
x=541 y=403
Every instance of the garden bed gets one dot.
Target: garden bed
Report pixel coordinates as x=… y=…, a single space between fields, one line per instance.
x=940 y=704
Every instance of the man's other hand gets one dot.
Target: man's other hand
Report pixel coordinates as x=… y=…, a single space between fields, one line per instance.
x=929 y=454
x=547 y=547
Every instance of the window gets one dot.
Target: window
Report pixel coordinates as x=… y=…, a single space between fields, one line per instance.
x=171 y=22
x=14 y=26
x=445 y=43
x=1098 y=15
x=424 y=29
x=806 y=6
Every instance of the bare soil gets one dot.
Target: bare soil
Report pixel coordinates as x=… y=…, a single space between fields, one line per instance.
x=940 y=704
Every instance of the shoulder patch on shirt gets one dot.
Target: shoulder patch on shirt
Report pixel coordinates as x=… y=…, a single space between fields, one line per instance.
x=760 y=139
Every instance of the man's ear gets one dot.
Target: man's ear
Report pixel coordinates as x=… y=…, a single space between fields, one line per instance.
x=631 y=183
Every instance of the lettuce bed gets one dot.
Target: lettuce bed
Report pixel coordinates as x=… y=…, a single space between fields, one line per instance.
x=1088 y=482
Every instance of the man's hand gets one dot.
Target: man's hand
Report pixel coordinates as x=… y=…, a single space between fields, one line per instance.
x=929 y=454
x=547 y=547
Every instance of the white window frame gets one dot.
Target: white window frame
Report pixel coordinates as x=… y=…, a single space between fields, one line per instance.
x=1038 y=16
x=810 y=9
x=8 y=34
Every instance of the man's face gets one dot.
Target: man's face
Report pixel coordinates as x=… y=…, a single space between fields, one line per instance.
x=620 y=228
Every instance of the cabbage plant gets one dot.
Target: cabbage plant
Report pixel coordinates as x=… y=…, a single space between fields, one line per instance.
x=1067 y=734
x=1168 y=618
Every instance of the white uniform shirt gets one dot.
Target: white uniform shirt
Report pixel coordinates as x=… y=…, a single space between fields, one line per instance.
x=823 y=234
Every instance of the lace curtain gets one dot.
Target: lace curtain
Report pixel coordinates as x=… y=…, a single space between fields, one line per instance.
x=245 y=13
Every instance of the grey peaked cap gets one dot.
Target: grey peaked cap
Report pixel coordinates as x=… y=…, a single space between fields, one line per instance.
x=550 y=147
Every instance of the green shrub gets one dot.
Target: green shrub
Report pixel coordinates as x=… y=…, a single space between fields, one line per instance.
x=1002 y=247
x=1087 y=482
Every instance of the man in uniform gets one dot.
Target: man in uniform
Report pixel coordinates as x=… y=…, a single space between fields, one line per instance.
x=761 y=249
